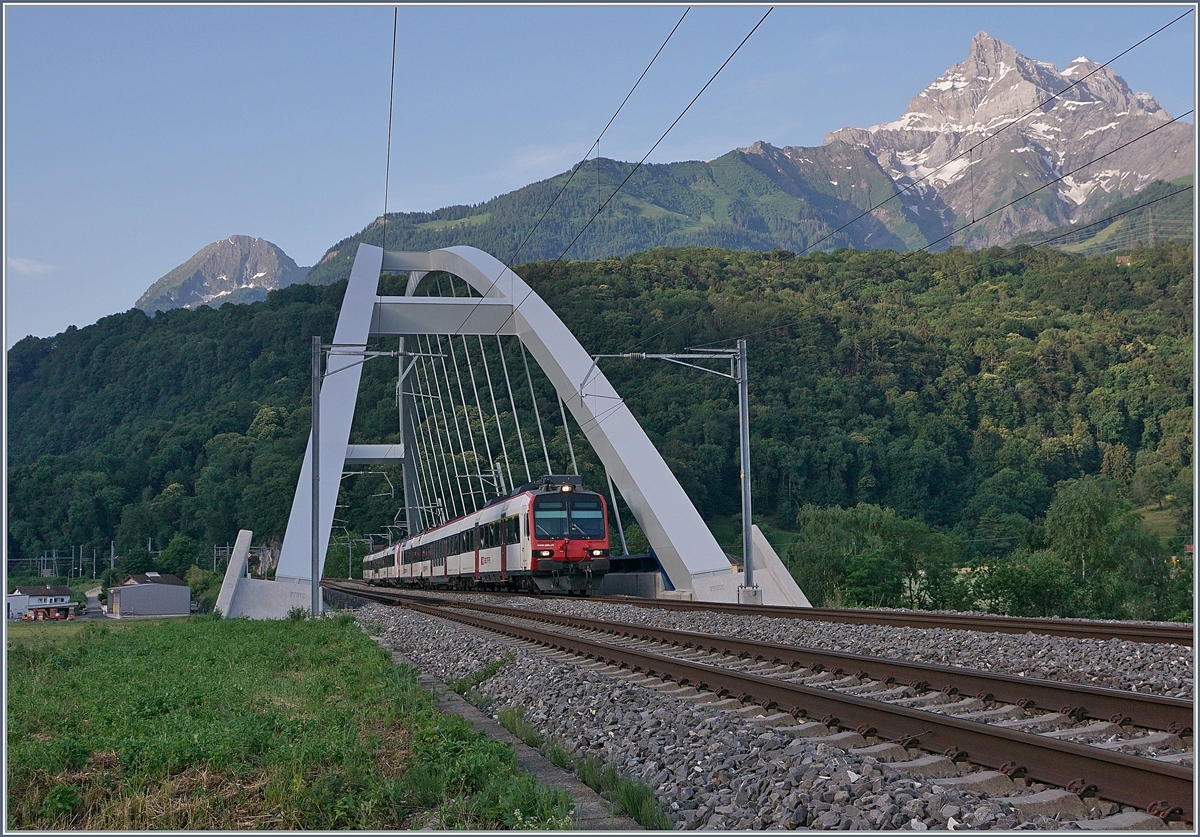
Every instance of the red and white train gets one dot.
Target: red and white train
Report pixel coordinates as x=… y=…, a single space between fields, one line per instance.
x=547 y=536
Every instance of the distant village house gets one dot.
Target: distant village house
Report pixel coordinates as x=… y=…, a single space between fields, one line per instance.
x=40 y=603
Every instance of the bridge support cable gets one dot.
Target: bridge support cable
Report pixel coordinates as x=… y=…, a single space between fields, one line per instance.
x=567 y=432
x=692 y=560
x=439 y=437
x=422 y=447
x=465 y=477
x=423 y=412
x=456 y=490
x=453 y=287
x=616 y=513
x=487 y=444
x=416 y=489
x=467 y=420
x=422 y=440
x=495 y=411
x=536 y=415
x=513 y=404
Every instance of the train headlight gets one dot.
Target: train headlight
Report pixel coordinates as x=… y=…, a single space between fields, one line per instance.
x=565 y=487
x=598 y=553
x=544 y=553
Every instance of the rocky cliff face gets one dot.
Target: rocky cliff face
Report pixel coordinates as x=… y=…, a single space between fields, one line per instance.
x=235 y=269
x=987 y=131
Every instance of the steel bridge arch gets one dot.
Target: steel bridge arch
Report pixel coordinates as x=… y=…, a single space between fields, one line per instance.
x=687 y=551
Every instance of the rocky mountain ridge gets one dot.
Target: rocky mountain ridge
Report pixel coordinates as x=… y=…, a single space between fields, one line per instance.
x=234 y=269
x=998 y=147
x=1000 y=125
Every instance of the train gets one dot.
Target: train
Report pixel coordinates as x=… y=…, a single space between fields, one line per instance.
x=546 y=536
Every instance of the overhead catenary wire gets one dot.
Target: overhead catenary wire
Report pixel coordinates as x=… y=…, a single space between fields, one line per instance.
x=992 y=136
x=584 y=229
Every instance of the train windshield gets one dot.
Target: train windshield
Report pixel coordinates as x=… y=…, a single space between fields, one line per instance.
x=550 y=517
x=587 y=518
x=568 y=516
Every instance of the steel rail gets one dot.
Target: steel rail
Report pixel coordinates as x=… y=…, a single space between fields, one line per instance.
x=1122 y=778
x=1077 y=628
x=1081 y=700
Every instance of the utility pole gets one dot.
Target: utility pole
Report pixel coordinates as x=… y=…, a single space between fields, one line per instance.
x=744 y=423
x=739 y=371
x=316 y=475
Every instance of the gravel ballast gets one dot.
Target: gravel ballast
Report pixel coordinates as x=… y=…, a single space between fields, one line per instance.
x=1167 y=670
x=713 y=769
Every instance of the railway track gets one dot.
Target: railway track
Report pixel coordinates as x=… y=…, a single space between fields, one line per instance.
x=1153 y=633
x=1075 y=628
x=1058 y=734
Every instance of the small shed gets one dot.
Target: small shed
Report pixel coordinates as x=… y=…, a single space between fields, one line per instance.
x=40 y=602
x=150 y=594
x=16 y=605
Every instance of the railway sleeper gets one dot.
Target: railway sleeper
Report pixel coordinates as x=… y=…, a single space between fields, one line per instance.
x=939 y=770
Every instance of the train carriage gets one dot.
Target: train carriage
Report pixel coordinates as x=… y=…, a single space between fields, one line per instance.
x=547 y=536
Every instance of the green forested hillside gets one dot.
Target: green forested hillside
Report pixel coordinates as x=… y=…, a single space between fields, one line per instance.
x=744 y=201
x=972 y=404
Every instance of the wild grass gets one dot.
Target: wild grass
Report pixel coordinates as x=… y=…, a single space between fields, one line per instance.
x=204 y=723
x=468 y=686
x=636 y=799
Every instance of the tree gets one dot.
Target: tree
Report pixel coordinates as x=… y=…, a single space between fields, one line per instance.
x=181 y=553
x=870 y=556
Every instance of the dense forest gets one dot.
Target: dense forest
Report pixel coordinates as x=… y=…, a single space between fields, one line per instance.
x=1008 y=429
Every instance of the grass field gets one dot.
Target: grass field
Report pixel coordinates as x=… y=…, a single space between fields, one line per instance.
x=202 y=723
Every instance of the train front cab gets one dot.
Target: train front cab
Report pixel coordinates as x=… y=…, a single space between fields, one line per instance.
x=568 y=540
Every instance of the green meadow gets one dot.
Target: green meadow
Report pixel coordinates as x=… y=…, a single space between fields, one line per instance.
x=203 y=723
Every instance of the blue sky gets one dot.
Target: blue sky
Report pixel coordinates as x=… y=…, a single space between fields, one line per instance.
x=136 y=135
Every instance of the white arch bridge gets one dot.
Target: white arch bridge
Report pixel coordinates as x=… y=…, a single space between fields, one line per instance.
x=444 y=474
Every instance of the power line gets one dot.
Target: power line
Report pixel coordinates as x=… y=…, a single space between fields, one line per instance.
x=387 y=171
x=660 y=139
x=1047 y=185
x=1113 y=217
x=993 y=135
x=639 y=164
x=575 y=170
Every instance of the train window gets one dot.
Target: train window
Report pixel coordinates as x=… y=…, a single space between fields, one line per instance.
x=587 y=518
x=512 y=530
x=550 y=517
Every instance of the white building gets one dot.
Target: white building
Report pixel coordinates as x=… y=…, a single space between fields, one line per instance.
x=40 y=603
x=151 y=594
